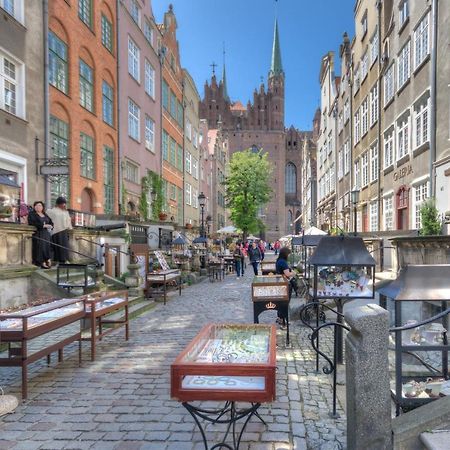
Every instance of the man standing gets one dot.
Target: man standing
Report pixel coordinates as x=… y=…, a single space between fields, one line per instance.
x=61 y=224
x=254 y=254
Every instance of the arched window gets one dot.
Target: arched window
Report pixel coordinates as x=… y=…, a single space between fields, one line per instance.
x=289 y=223
x=290 y=179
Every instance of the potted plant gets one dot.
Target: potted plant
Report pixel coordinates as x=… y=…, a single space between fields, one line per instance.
x=188 y=226
x=162 y=216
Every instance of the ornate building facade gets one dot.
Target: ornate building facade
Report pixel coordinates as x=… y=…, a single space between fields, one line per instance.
x=260 y=125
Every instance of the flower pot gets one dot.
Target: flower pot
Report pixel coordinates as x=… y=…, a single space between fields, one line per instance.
x=162 y=216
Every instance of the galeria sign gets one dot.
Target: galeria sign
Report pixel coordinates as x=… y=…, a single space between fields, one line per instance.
x=403 y=172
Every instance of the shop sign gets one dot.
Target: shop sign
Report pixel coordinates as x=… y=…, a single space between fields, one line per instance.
x=403 y=172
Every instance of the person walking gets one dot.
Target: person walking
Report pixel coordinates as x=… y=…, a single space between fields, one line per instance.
x=276 y=247
x=61 y=226
x=41 y=239
x=262 y=249
x=243 y=255
x=237 y=255
x=254 y=254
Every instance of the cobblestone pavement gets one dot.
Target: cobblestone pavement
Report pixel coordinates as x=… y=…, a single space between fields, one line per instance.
x=122 y=400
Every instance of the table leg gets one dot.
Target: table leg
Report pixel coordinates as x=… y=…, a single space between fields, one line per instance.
x=127 y=326
x=93 y=334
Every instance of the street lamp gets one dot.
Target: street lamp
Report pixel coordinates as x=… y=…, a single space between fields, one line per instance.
x=355 y=199
x=202 y=203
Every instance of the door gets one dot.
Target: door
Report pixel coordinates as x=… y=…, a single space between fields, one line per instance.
x=402 y=208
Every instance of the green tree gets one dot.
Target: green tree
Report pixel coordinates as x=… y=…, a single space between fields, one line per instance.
x=248 y=189
x=431 y=222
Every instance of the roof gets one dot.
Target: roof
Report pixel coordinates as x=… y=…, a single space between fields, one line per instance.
x=420 y=282
x=341 y=250
x=276 y=67
x=308 y=240
x=238 y=106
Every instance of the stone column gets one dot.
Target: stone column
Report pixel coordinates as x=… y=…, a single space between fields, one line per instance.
x=367 y=379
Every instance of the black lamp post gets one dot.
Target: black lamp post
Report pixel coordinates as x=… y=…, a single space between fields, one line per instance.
x=202 y=203
x=355 y=199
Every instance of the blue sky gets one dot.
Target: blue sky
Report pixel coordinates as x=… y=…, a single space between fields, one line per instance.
x=308 y=29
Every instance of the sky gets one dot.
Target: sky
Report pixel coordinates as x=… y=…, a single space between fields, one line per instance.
x=308 y=29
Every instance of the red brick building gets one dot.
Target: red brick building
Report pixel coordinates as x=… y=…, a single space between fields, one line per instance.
x=83 y=98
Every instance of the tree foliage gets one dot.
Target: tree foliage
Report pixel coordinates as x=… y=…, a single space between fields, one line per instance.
x=248 y=189
x=431 y=222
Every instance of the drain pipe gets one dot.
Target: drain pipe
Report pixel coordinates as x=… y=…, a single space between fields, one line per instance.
x=119 y=146
x=433 y=97
x=47 y=193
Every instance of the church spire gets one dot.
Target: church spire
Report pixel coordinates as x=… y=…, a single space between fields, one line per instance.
x=224 y=79
x=276 y=68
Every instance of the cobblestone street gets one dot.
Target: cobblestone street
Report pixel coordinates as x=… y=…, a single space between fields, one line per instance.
x=122 y=401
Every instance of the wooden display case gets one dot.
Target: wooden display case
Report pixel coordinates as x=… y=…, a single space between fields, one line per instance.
x=160 y=282
x=270 y=287
x=268 y=267
x=36 y=332
x=227 y=362
x=98 y=306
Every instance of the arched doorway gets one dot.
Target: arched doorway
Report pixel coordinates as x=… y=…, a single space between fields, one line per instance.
x=87 y=200
x=402 y=208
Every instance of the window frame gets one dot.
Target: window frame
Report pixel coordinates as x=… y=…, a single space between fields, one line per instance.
x=134 y=119
x=107 y=33
x=149 y=134
x=60 y=62
x=87 y=156
x=109 y=101
x=134 y=60
x=86 y=14
x=149 y=78
x=86 y=86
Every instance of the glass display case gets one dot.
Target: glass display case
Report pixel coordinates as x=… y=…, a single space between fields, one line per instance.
x=160 y=282
x=420 y=297
x=268 y=267
x=35 y=332
x=269 y=287
x=98 y=306
x=227 y=362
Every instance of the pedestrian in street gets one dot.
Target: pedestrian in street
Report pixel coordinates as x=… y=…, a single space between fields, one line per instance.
x=282 y=268
x=277 y=246
x=41 y=240
x=237 y=255
x=61 y=226
x=262 y=249
x=254 y=254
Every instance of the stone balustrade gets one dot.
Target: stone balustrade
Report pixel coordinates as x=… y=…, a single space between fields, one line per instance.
x=15 y=245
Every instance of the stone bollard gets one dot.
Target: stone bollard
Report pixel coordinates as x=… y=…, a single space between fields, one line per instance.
x=367 y=379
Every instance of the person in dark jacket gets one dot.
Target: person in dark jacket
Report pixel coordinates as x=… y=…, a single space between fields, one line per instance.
x=254 y=255
x=41 y=243
x=282 y=268
x=237 y=255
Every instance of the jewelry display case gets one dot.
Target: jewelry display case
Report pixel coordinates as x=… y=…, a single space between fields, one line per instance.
x=98 y=306
x=160 y=282
x=38 y=331
x=270 y=287
x=227 y=362
x=268 y=267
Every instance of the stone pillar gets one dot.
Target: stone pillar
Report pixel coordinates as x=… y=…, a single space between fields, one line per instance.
x=367 y=379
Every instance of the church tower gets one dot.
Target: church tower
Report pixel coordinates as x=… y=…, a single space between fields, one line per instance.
x=276 y=85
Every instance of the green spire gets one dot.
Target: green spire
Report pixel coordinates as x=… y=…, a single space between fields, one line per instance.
x=276 y=68
x=224 y=82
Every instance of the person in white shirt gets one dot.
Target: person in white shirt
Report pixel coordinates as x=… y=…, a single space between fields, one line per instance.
x=61 y=224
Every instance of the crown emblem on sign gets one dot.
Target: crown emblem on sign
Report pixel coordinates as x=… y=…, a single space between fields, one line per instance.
x=271 y=305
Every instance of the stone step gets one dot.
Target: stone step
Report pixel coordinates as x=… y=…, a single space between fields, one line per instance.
x=436 y=439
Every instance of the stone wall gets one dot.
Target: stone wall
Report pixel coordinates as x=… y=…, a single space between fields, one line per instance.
x=15 y=245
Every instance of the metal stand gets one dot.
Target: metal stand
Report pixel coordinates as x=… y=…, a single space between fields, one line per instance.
x=229 y=415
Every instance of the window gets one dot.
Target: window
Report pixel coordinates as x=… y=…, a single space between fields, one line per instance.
x=108 y=179
x=365 y=117
x=59 y=143
x=173 y=152
x=402 y=137
x=373 y=105
x=195 y=138
x=86 y=86
x=107 y=34
x=364 y=25
x=290 y=179
x=188 y=131
x=108 y=103
x=420 y=195
x=188 y=194
x=365 y=169
x=85 y=11
x=131 y=172
x=188 y=162
x=165 y=95
x=57 y=62
x=340 y=122
x=149 y=134
x=195 y=198
x=12 y=88
x=374 y=47
x=173 y=105
x=421 y=41
x=357 y=80
x=347 y=157
x=403 y=12
x=364 y=66
x=8 y=6
x=388 y=148
x=374 y=163
x=179 y=114
x=388 y=213
x=165 y=145
x=195 y=168
x=330 y=142
x=340 y=163
x=180 y=157
x=357 y=127
x=403 y=64
x=374 y=216
x=133 y=59
x=173 y=192
x=134 y=114
x=389 y=84
x=149 y=79
x=346 y=110
x=148 y=32
x=87 y=156
x=421 y=134
x=135 y=12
